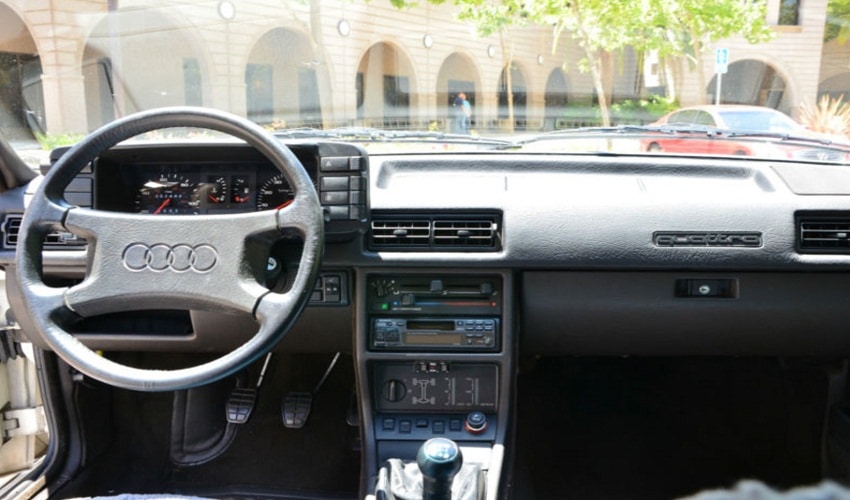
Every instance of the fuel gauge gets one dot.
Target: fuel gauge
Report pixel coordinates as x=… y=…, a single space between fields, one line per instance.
x=240 y=189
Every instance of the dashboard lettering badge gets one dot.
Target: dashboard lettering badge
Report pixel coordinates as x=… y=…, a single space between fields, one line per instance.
x=682 y=239
x=178 y=258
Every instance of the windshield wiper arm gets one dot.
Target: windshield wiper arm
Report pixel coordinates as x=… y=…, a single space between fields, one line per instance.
x=788 y=137
x=368 y=134
x=669 y=129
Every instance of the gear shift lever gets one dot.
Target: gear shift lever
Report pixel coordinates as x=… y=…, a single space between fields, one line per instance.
x=439 y=460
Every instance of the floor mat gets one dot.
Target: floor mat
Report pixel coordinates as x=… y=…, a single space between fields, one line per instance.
x=317 y=459
x=662 y=428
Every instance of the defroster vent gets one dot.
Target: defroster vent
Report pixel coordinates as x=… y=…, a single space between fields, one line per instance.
x=443 y=232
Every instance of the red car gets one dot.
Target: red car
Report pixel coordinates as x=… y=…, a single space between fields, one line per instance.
x=736 y=118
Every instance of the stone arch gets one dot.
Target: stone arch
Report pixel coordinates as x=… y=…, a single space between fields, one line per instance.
x=126 y=69
x=836 y=86
x=22 y=110
x=754 y=82
x=457 y=74
x=556 y=98
x=520 y=96
x=385 y=83
x=281 y=86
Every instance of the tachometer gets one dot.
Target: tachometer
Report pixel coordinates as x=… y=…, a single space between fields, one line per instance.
x=275 y=193
x=168 y=194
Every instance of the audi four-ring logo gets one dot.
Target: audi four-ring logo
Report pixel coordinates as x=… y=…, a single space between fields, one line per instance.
x=162 y=257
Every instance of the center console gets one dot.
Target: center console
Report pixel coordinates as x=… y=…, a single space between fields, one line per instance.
x=435 y=360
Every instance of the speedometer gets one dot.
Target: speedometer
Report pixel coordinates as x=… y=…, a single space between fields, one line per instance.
x=168 y=194
x=274 y=194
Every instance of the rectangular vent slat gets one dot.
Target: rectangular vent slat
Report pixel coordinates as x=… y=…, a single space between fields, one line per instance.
x=464 y=233
x=828 y=236
x=401 y=233
x=443 y=232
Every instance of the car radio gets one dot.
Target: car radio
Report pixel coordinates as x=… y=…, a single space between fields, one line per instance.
x=434 y=334
x=426 y=313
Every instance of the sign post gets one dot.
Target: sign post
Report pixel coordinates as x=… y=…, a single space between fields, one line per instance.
x=721 y=66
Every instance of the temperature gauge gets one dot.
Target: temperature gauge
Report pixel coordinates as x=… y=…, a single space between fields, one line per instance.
x=214 y=190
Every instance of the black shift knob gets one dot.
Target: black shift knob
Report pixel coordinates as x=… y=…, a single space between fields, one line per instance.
x=439 y=460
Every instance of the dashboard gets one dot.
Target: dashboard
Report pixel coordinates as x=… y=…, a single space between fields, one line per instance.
x=440 y=270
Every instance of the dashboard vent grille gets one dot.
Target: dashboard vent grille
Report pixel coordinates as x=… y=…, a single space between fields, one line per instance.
x=824 y=235
x=395 y=233
x=465 y=233
x=12 y=227
x=439 y=232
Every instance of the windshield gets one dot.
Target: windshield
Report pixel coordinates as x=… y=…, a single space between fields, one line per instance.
x=758 y=121
x=452 y=72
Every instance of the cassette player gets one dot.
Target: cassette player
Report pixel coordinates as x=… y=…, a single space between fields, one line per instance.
x=435 y=334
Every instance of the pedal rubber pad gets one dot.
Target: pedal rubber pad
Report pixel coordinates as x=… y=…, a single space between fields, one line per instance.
x=296 y=409
x=240 y=404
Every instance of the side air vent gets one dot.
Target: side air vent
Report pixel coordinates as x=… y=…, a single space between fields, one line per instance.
x=824 y=234
x=439 y=232
x=12 y=226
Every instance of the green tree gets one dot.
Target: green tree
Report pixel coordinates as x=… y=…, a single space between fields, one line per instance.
x=686 y=29
x=837 y=21
x=675 y=29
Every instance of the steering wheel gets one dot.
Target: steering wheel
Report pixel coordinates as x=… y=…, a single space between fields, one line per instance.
x=139 y=262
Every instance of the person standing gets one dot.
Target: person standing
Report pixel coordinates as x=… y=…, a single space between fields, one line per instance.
x=466 y=120
x=458 y=114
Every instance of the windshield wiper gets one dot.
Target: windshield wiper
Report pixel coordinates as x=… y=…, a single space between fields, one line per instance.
x=368 y=134
x=685 y=128
x=669 y=129
x=788 y=137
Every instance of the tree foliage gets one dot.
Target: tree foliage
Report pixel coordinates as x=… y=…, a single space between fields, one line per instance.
x=600 y=28
x=837 y=21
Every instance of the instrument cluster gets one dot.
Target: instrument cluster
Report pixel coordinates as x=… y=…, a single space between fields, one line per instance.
x=168 y=189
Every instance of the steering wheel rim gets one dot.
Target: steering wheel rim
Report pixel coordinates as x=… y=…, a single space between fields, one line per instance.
x=113 y=271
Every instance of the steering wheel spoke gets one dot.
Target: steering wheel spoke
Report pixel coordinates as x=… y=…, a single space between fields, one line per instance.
x=145 y=262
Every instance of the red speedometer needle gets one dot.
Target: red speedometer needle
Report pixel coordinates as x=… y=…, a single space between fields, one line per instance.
x=284 y=204
x=164 y=204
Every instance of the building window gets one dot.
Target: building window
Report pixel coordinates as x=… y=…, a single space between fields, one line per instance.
x=789 y=12
x=260 y=93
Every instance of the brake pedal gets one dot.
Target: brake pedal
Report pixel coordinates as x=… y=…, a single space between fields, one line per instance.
x=296 y=406
x=242 y=400
x=296 y=409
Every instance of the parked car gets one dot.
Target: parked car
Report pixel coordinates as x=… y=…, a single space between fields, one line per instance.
x=703 y=130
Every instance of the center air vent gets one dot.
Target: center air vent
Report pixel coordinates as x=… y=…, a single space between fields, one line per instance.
x=824 y=234
x=444 y=232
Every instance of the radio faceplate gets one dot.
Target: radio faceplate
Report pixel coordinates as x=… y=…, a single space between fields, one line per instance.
x=434 y=334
